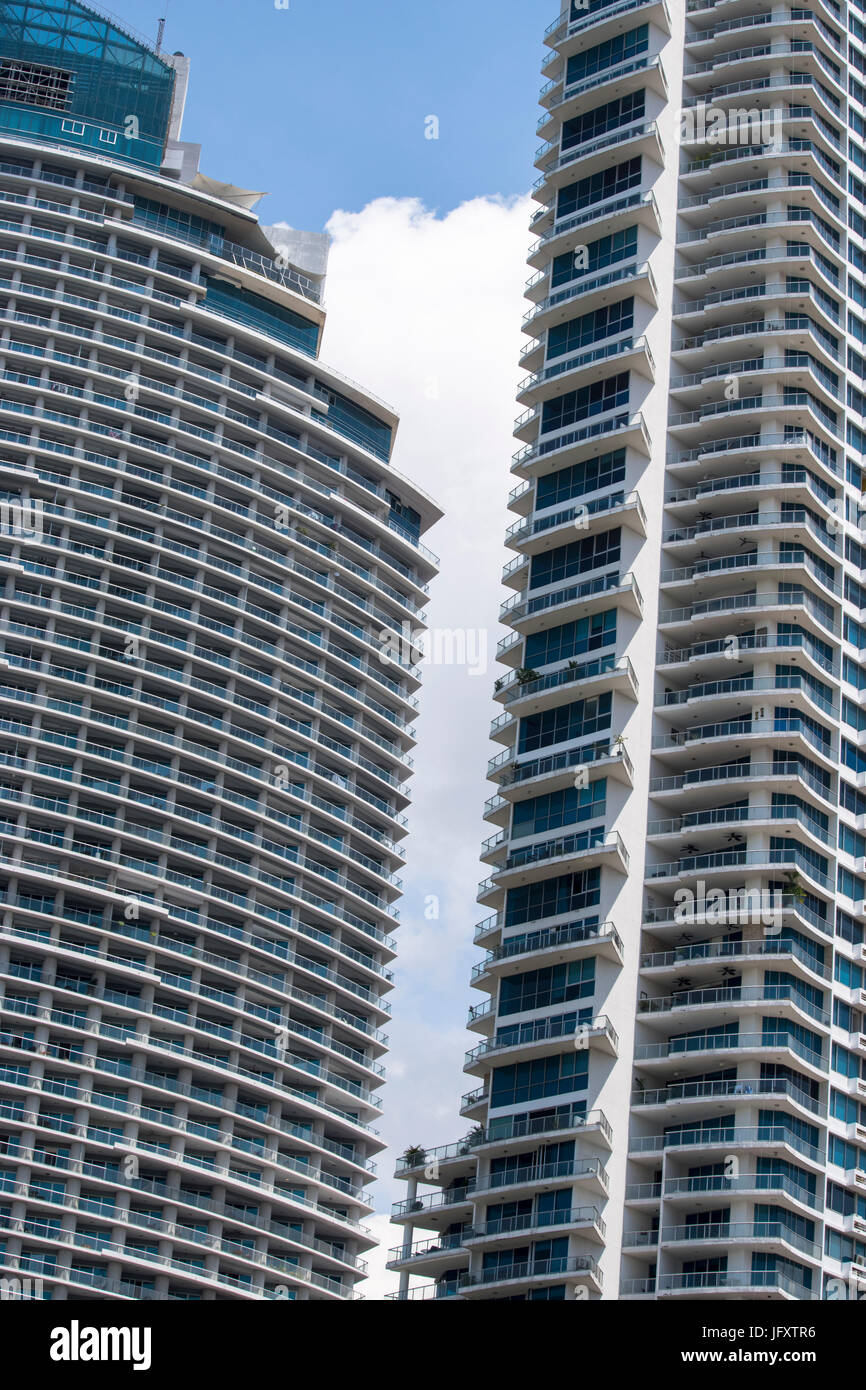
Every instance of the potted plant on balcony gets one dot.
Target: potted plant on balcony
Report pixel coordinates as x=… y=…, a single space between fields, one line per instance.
x=475 y=1136
x=414 y=1156
x=795 y=887
x=525 y=674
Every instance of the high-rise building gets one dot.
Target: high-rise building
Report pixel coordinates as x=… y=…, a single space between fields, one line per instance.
x=207 y=563
x=670 y=1069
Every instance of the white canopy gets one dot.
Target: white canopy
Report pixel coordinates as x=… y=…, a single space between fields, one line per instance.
x=241 y=197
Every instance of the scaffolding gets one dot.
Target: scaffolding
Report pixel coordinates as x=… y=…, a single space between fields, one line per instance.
x=32 y=84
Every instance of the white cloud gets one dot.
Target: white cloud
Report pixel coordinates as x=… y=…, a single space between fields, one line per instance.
x=425 y=312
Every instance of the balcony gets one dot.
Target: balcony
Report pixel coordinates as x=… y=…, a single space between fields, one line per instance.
x=746 y=1089
x=548 y=946
x=724 y=1138
x=430 y=1258
x=628 y=354
x=697 y=1189
x=565 y=103
x=797 y=484
x=603 y=218
x=722 y=1001
x=587 y=1221
x=763 y=603
x=437 y=1208
x=558 y=769
x=808 y=19
x=801 y=408
x=740 y=907
x=557 y=165
x=525 y=1041
x=701 y=784
x=726 y=268
x=474 y=1104
x=735 y=860
x=741 y=950
x=704 y=168
x=569 y=1269
x=585 y=850
x=622 y=429
x=716 y=694
x=590 y=292
x=511 y=1131
x=787 y=525
x=805 y=53
x=546 y=610
x=800 y=446
x=637 y=1288
x=740 y=1283
x=713 y=819
x=799 y=84
x=445 y=1289
x=807 y=193
x=802 y=334
x=573 y=31
x=532 y=696
x=800 y=369
x=448 y=1156
x=717 y=655
x=546 y=1174
x=534 y=536
x=769 y=1046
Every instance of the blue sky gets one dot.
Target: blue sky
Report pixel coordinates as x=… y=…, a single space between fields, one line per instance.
x=324 y=104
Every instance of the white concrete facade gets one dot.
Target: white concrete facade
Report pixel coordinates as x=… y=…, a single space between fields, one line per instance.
x=691 y=464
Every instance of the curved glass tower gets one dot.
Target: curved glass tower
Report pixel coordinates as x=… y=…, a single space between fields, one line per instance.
x=671 y=1069
x=206 y=562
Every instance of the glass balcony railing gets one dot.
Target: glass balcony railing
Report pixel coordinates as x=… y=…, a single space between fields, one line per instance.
x=720 y=1090
x=734 y=1279
x=598 y=76
x=743 y=948
x=674 y=1048
x=544 y=1030
x=726 y=996
x=565 y=1265
x=571 y=934
x=220 y=246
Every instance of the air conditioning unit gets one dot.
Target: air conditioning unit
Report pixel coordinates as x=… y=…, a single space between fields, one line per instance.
x=861 y=994
x=858 y=1224
x=859 y=1177
x=860 y=1132
x=863 y=951
x=860 y=909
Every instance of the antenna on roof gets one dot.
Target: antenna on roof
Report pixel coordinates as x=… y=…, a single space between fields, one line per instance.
x=159 y=35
